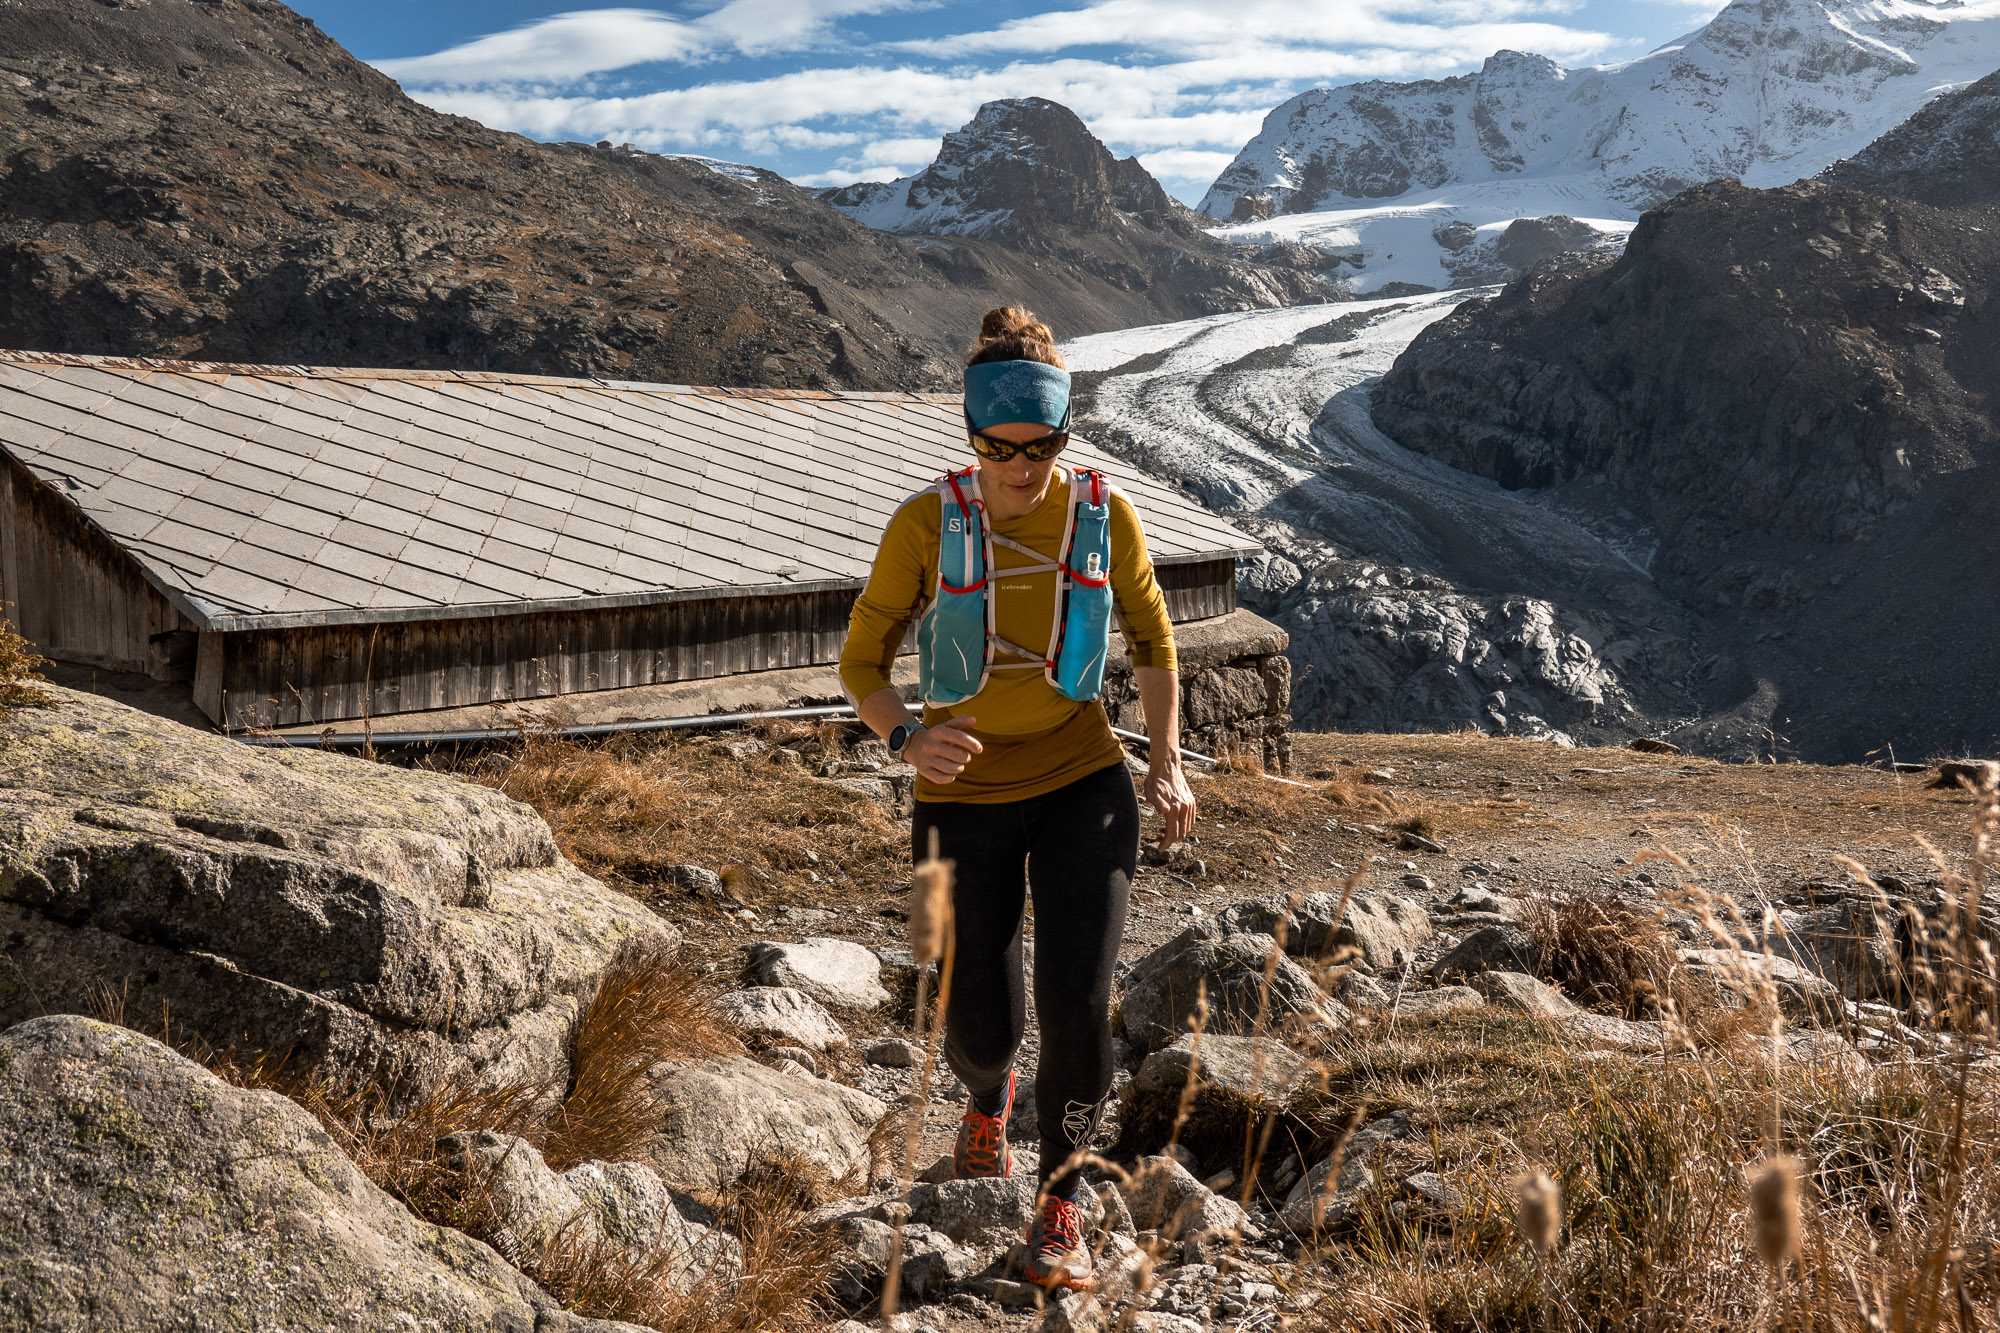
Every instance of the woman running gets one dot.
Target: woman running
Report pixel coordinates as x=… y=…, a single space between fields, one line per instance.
x=1016 y=566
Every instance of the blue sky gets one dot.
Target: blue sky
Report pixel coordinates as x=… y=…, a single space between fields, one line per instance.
x=829 y=91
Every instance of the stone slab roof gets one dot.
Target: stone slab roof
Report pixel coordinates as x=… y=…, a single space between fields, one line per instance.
x=274 y=496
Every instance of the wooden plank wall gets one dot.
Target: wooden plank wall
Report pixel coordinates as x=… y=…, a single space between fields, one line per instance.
x=73 y=594
x=338 y=672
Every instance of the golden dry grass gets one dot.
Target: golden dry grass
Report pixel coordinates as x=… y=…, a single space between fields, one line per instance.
x=627 y=808
x=20 y=667
x=646 y=1008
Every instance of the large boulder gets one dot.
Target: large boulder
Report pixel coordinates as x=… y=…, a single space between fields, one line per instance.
x=1238 y=1082
x=1385 y=930
x=1524 y=994
x=372 y=920
x=781 y=1016
x=1326 y=1196
x=1162 y=989
x=160 y=1197
x=622 y=1204
x=1164 y=1197
x=836 y=972
x=722 y=1116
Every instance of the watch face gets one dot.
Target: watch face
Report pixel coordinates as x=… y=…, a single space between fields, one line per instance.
x=899 y=736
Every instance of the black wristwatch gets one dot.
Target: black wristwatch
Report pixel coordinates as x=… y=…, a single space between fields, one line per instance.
x=900 y=736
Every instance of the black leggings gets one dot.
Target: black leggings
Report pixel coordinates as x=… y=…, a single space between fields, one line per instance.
x=1078 y=845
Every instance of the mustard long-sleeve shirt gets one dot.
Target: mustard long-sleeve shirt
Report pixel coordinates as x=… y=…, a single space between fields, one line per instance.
x=1036 y=739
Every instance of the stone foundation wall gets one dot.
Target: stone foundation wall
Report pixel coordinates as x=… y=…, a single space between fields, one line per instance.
x=1236 y=688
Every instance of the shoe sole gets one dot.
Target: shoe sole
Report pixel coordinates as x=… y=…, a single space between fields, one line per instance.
x=1051 y=1281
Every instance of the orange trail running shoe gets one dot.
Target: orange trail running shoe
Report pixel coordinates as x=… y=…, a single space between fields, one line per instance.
x=1057 y=1256
x=982 y=1141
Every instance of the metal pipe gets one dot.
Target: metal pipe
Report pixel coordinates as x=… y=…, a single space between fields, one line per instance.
x=393 y=738
x=352 y=740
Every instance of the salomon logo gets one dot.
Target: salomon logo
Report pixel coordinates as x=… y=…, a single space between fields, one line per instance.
x=958 y=525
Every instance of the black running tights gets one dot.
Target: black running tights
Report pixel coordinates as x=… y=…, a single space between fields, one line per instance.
x=1076 y=848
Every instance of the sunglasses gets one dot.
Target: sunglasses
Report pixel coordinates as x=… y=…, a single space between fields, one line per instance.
x=1038 y=450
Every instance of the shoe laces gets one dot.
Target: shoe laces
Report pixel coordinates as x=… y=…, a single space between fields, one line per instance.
x=1060 y=1228
x=982 y=1134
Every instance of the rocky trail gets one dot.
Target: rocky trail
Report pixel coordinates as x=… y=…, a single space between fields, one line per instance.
x=1417 y=595
x=409 y=920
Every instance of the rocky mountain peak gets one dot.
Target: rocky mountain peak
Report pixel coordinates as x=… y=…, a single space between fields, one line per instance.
x=1018 y=166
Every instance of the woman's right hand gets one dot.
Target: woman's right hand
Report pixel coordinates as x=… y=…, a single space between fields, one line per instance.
x=941 y=753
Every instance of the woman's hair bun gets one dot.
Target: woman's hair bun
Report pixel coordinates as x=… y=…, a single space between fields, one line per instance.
x=1014 y=333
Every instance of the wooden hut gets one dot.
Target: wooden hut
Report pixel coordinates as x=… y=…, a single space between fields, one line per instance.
x=304 y=546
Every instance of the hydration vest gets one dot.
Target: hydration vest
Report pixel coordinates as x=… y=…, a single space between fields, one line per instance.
x=956 y=641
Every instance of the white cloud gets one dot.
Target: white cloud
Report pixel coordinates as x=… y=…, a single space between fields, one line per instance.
x=840 y=176
x=574 y=45
x=561 y=47
x=1201 y=27
x=1186 y=164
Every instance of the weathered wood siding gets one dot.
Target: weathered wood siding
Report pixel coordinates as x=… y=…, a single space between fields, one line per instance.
x=1198 y=590
x=73 y=594
x=333 y=673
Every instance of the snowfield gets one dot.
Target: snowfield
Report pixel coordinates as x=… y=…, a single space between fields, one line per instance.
x=1396 y=241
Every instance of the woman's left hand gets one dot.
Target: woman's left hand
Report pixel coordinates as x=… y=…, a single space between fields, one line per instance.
x=1167 y=791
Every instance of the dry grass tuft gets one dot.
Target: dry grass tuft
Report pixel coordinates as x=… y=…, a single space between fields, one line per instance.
x=630 y=807
x=1611 y=955
x=20 y=666
x=647 y=1008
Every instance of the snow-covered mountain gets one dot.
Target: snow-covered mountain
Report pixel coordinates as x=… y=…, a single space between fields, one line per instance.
x=1015 y=164
x=1769 y=91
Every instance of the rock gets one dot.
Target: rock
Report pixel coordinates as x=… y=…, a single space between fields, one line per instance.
x=1388 y=930
x=1410 y=841
x=160 y=1192
x=1432 y=1003
x=1524 y=994
x=625 y=1203
x=1310 y=1204
x=1161 y=989
x=931 y=1262
x=1479 y=898
x=698 y=881
x=765 y=1015
x=721 y=1116
x=894 y=1053
x=374 y=920
x=1802 y=996
x=1416 y=883
x=1360 y=990
x=1648 y=745
x=1164 y=1197
x=1970 y=774
x=989 y=1215
x=779 y=1056
x=1506 y=948
x=1240 y=1081
x=1382 y=928
x=835 y=972
x=1852 y=944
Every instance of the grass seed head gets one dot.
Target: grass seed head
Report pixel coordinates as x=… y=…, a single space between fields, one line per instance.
x=1538 y=1211
x=1774 y=1209
x=930 y=911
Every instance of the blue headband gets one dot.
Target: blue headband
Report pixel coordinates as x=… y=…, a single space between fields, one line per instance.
x=1000 y=391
